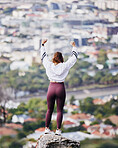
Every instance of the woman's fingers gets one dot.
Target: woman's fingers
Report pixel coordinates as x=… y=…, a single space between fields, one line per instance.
x=44 y=41
x=72 y=43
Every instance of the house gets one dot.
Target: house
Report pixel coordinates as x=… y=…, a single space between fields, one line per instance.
x=93 y=128
x=30 y=120
x=102 y=130
x=70 y=108
x=76 y=118
x=113 y=119
x=107 y=132
x=69 y=124
x=85 y=126
x=13 y=126
x=110 y=131
x=98 y=101
x=4 y=131
x=19 y=118
x=41 y=129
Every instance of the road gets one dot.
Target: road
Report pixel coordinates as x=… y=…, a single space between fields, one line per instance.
x=99 y=92
x=80 y=94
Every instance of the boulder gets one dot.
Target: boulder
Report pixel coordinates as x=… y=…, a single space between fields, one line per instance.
x=55 y=141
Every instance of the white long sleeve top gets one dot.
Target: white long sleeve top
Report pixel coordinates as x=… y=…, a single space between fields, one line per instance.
x=58 y=73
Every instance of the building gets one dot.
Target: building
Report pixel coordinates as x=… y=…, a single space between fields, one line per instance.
x=113 y=119
x=20 y=65
x=19 y=118
x=107 y=15
x=71 y=108
x=76 y=118
x=98 y=101
x=69 y=124
x=104 y=4
x=102 y=130
x=5 y=131
x=103 y=30
x=13 y=126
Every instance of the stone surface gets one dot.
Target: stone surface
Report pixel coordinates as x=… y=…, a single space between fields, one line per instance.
x=55 y=141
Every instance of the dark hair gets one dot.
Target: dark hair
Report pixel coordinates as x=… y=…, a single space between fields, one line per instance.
x=58 y=58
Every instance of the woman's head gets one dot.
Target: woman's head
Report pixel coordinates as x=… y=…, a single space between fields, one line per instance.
x=58 y=58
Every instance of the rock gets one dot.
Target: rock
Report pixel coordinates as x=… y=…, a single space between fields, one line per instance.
x=55 y=141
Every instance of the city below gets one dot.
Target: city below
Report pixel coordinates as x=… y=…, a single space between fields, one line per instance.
x=91 y=106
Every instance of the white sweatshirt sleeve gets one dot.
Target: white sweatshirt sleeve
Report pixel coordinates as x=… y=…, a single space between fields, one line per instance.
x=72 y=60
x=44 y=57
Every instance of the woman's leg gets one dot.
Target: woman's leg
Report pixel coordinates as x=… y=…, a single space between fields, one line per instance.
x=50 y=104
x=60 y=93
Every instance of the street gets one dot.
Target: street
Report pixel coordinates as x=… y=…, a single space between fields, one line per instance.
x=80 y=94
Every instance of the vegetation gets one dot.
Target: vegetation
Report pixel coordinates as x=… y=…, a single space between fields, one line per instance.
x=100 y=143
x=100 y=111
x=11 y=142
x=109 y=122
x=102 y=57
x=37 y=108
x=36 y=80
x=72 y=99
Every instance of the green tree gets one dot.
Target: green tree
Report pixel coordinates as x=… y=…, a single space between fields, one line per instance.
x=94 y=122
x=30 y=127
x=5 y=96
x=72 y=99
x=99 y=110
x=21 y=135
x=53 y=125
x=107 y=121
x=15 y=144
x=87 y=105
x=98 y=76
x=102 y=57
x=86 y=78
x=22 y=107
x=108 y=145
x=84 y=64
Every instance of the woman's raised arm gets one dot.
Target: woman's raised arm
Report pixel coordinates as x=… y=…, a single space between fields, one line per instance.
x=72 y=60
x=44 y=57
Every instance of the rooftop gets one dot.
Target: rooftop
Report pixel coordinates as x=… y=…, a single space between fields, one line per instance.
x=4 y=131
x=80 y=116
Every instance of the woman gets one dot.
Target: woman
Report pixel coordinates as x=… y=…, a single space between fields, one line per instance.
x=57 y=70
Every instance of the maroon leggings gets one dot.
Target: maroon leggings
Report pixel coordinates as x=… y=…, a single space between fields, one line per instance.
x=56 y=91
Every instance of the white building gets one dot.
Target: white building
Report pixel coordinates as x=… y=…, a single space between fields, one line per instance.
x=19 y=118
x=21 y=65
x=103 y=4
x=107 y=15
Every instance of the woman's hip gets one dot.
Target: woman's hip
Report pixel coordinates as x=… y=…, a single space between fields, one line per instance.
x=58 y=89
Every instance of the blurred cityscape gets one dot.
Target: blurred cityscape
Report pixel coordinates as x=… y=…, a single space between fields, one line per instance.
x=91 y=109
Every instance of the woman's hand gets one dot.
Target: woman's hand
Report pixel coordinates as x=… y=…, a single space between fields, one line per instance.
x=72 y=43
x=44 y=41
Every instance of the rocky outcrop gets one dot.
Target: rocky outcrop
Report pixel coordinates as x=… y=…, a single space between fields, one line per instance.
x=55 y=141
